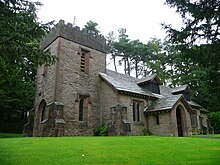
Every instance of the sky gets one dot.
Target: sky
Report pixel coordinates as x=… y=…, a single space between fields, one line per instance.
x=141 y=18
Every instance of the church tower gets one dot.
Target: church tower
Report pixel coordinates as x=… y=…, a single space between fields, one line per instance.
x=67 y=93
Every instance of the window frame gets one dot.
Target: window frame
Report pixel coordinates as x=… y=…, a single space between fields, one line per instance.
x=137 y=109
x=85 y=60
x=157 y=118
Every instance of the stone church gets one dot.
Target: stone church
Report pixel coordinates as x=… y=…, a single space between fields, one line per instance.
x=78 y=94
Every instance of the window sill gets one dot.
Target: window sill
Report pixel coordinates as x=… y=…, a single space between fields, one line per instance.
x=138 y=123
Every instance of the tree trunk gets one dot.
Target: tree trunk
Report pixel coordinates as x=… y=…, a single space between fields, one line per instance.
x=114 y=60
x=136 y=68
x=129 y=70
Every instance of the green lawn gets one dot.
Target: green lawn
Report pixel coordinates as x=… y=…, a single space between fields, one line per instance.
x=10 y=135
x=208 y=136
x=109 y=150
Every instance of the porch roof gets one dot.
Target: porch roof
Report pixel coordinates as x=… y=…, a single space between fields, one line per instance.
x=167 y=104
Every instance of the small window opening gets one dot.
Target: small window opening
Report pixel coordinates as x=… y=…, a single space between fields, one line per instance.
x=81 y=108
x=157 y=119
x=84 y=65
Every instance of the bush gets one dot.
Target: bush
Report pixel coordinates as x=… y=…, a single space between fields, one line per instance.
x=214 y=118
x=102 y=130
x=146 y=132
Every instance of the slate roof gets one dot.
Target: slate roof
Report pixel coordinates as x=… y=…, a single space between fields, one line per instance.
x=194 y=104
x=122 y=82
x=163 y=104
x=180 y=88
x=165 y=91
x=149 y=78
x=167 y=104
x=165 y=100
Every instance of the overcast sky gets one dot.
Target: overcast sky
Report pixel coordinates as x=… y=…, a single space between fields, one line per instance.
x=141 y=18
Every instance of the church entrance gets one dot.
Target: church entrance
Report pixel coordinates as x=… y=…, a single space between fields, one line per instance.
x=179 y=122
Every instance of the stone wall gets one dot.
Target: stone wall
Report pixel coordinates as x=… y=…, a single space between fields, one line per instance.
x=75 y=83
x=64 y=82
x=168 y=123
x=45 y=85
x=163 y=128
x=74 y=34
x=110 y=98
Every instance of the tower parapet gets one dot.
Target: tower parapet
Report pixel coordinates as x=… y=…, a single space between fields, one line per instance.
x=73 y=33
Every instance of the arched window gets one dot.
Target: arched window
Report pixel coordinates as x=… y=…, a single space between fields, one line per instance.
x=42 y=110
x=137 y=110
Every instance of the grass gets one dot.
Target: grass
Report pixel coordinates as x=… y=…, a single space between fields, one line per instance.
x=10 y=135
x=208 y=136
x=109 y=150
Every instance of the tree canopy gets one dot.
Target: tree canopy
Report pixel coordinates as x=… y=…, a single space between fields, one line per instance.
x=20 y=35
x=91 y=28
x=199 y=43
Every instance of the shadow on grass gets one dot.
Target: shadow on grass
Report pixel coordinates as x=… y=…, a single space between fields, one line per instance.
x=10 y=135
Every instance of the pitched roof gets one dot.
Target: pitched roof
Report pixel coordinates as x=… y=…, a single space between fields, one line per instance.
x=165 y=101
x=126 y=83
x=180 y=88
x=192 y=103
x=167 y=104
x=149 y=78
x=163 y=104
x=165 y=91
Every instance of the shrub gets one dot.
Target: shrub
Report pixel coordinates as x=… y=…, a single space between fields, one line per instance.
x=146 y=132
x=214 y=118
x=102 y=130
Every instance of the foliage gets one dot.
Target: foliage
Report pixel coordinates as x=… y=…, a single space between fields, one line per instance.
x=214 y=118
x=20 y=35
x=198 y=46
x=110 y=47
x=109 y=150
x=143 y=59
x=91 y=28
x=102 y=130
x=146 y=132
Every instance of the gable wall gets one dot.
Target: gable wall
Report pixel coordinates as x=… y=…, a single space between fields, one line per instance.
x=163 y=129
x=168 y=122
x=186 y=121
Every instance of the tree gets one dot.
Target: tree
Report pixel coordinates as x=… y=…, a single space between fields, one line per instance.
x=156 y=59
x=91 y=28
x=20 y=35
x=111 y=49
x=138 y=56
x=199 y=43
x=123 y=49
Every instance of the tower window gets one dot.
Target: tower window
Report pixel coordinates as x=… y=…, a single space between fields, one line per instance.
x=84 y=64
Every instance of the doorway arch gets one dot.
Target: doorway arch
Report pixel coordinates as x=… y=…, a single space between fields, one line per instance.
x=179 y=121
